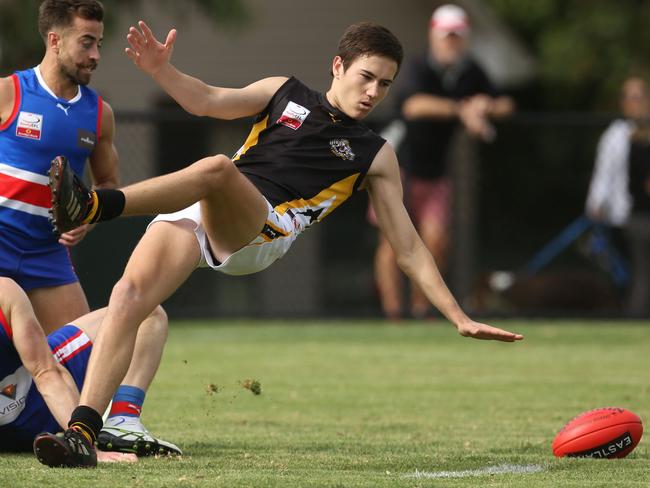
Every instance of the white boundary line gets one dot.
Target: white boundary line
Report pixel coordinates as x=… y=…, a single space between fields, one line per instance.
x=500 y=469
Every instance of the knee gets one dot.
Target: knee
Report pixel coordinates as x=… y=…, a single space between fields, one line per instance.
x=126 y=293
x=215 y=170
x=6 y=285
x=131 y=301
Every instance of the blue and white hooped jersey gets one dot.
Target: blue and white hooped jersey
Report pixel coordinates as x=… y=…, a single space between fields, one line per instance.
x=41 y=127
x=23 y=411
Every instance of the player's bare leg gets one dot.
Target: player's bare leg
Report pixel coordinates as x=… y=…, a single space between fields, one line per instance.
x=58 y=305
x=149 y=345
x=215 y=181
x=162 y=260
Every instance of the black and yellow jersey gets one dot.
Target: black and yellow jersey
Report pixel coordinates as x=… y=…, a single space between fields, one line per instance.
x=304 y=155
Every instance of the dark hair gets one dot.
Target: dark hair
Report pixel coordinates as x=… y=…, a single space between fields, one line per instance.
x=61 y=13
x=367 y=39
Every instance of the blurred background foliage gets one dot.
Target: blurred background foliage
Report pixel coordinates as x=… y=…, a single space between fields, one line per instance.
x=584 y=48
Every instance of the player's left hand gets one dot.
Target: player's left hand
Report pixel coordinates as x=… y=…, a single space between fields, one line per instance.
x=477 y=330
x=115 y=457
x=75 y=236
x=147 y=52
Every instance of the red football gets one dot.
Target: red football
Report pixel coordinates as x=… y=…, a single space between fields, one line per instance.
x=601 y=433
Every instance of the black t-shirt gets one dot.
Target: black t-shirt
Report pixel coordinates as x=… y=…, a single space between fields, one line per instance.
x=639 y=167
x=303 y=154
x=424 y=149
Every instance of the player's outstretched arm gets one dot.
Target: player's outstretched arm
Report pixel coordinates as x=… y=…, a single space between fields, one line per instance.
x=196 y=97
x=53 y=381
x=384 y=185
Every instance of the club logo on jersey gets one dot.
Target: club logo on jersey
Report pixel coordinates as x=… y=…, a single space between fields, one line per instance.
x=9 y=391
x=86 y=139
x=293 y=116
x=29 y=125
x=342 y=149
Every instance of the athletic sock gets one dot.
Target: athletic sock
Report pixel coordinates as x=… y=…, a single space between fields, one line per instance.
x=107 y=204
x=87 y=421
x=127 y=402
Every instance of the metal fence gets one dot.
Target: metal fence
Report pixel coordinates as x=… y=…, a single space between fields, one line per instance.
x=511 y=197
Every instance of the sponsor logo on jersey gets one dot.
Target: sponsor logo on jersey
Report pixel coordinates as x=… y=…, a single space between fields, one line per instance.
x=13 y=395
x=29 y=125
x=64 y=108
x=293 y=116
x=11 y=410
x=342 y=149
x=86 y=139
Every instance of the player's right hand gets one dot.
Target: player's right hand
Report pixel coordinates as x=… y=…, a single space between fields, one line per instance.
x=146 y=52
x=477 y=330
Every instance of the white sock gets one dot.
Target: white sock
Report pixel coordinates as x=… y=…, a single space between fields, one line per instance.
x=126 y=423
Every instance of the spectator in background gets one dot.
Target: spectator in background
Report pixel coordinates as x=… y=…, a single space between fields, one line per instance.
x=619 y=193
x=609 y=200
x=437 y=92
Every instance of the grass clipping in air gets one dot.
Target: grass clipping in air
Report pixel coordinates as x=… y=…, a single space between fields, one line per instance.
x=253 y=386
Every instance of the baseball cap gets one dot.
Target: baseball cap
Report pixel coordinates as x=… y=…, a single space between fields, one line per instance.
x=450 y=19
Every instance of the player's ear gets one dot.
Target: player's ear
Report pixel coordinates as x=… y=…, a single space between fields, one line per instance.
x=53 y=41
x=337 y=67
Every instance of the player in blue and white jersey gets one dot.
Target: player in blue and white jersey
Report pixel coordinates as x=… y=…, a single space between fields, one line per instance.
x=40 y=378
x=46 y=111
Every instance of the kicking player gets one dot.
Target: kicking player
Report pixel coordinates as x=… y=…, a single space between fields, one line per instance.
x=306 y=154
x=40 y=379
x=45 y=111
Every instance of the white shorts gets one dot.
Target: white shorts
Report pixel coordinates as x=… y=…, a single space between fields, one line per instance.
x=272 y=243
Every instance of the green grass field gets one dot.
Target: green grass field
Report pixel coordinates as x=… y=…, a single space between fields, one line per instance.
x=351 y=404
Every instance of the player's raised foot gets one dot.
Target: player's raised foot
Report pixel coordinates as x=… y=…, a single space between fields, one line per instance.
x=71 y=200
x=69 y=449
x=133 y=437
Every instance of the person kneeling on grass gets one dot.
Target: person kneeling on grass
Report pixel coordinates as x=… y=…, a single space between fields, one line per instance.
x=40 y=380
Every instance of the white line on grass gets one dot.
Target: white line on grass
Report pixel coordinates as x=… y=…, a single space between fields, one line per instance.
x=501 y=469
